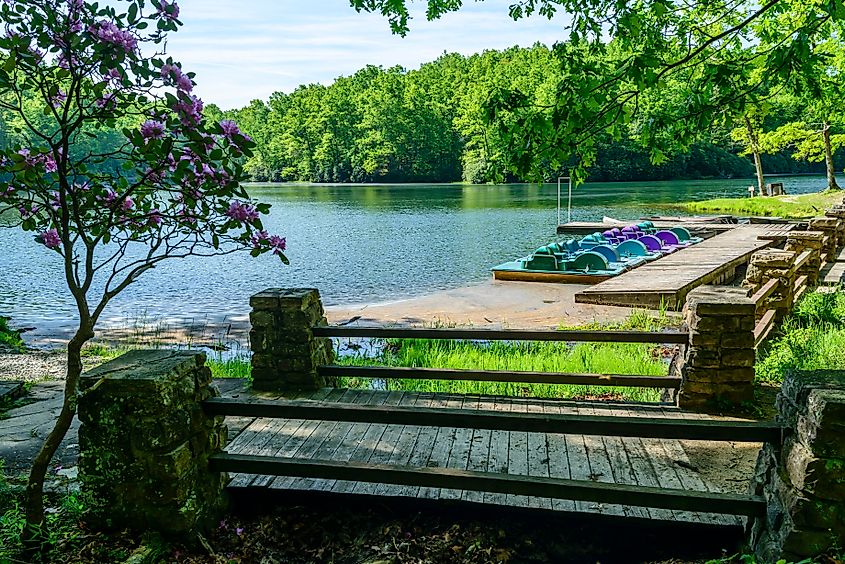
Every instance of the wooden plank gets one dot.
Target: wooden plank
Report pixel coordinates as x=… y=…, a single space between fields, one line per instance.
x=833 y=273
x=341 y=444
x=480 y=481
x=424 y=446
x=558 y=458
x=408 y=373
x=620 y=467
x=382 y=448
x=518 y=455
x=579 y=462
x=802 y=259
x=538 y=456
x=576 y=335
x=459 y=454
x=407 y=440
x=369 y=439
x=737 y=431
x=311 y=447
x=288 y=436
x=764 y=292
x=443 y=443
x=499 y=449
x=479 y=454
x=599 y=461
x=764 y=327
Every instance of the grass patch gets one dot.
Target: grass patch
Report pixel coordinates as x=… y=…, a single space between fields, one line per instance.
x=811 y=338
x=802 y=205
x=9 y=338
x=586 y=358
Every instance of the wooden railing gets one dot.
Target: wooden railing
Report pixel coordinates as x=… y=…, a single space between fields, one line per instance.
x=384 y=372
x=438 y=477
x=768 y=318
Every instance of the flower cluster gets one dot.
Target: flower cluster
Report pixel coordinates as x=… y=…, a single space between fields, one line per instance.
x=242 y=212
x=275 y=243
x=50 y=239
x=108 y=32
x=44 y=159
x=179 y=79
x=189 y=110
x=152 y=129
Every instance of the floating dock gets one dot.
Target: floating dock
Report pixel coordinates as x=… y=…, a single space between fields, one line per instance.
x=668 y=281
x=698 y=227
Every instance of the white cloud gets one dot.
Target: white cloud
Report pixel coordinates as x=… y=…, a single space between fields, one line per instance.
x=250 y=49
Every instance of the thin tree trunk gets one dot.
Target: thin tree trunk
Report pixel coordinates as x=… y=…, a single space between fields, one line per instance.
x=753 y=144
x=828 y=158
x=33 y=534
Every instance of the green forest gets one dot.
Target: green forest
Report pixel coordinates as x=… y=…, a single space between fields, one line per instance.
x=432 y=125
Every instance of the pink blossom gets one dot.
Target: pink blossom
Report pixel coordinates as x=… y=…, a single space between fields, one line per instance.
x=108 y=32
x=242 y=212
x=152 y=129
x=128 y=204
x=50 y=239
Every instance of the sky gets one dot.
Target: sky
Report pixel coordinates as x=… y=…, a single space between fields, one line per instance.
x=243 y=50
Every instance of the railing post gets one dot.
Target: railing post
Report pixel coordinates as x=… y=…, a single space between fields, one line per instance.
x=719 y=362
x=838 y=211
x=773 y=264
x=813 y=241
x=145 y=442
x=803 y=477
x=285 y=353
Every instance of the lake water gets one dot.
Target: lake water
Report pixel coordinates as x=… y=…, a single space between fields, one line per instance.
x=356 y=243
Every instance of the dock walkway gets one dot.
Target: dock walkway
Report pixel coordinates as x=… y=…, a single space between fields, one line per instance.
x=668 y=280
x=647 y=462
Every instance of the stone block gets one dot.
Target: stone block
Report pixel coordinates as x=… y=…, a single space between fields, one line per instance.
x=704 y=357
x=736 y=340
x=720 y=301
x=773 y=259
x=738 y=358
x=823 y=478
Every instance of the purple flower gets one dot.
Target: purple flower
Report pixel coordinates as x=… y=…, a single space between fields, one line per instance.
x=26 y=213
x=50 y=239
x=181 y=80
x=154 y=218
x=58 y=99
x=189 y=110
x=128 y=204
x=259 y=237
x=277 y=244
x=168 y=10
x=152 y=129
x=230 y=128
x=239 y=531
x=242 y=212
x=108 y=32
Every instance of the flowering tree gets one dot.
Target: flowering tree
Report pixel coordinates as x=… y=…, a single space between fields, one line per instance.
x=166 y=185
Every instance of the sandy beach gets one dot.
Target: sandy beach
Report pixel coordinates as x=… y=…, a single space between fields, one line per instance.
x=524 y=305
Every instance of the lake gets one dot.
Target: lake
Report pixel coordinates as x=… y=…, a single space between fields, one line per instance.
x=356 y=243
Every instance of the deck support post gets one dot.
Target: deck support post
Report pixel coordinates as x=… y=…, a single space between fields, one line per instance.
x=285 y=352
x=145 y=442
x=838 y=212
x=773 y=264
x=719 y=361
x=813 y=241
x=803 y=477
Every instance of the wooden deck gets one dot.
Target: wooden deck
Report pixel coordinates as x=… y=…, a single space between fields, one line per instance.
x=646 y=462
x=668 y=280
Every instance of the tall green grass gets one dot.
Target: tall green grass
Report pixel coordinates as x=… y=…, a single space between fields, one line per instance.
x=812 y=338
x=802 y=205
x=9 y=337
x=583 y=358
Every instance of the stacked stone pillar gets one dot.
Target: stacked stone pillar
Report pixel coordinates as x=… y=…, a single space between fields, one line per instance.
x=768 y=265
x=803 y=477
x=285 y=353
x=719 y=361
x=832 y=228
x=145 y=442
x=813 y=241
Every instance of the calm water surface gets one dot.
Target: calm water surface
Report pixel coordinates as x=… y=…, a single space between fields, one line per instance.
x=355 y=243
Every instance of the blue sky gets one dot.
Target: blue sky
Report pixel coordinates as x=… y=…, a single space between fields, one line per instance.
x=247 y=49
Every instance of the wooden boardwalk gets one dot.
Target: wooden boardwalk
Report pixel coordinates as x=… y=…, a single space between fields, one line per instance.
x=669 y=279
x=646 y=462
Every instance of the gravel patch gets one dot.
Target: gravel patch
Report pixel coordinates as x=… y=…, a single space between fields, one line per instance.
x=33 y=366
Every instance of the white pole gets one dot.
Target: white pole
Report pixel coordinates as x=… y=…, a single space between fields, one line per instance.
x=558 y=201
x=569 y=213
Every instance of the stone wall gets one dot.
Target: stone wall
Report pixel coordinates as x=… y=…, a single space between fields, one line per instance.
x=145 y=442
x=719 y=360
x=803 y=478
x=832 y=228
x=285 y=353
x=773 y=264
x=813 y=241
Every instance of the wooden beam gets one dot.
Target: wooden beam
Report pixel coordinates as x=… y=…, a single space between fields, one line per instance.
x=763 y=327
x=669 y=337
x=800 y=282
x=767 y=290
x=555 y=488
x=404 y=373
x=660 y=428
x=802 y=259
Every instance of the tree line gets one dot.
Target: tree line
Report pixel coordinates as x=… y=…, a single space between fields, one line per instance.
x=432 y=124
